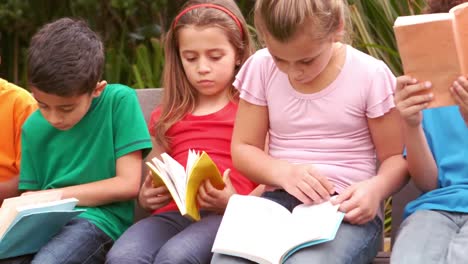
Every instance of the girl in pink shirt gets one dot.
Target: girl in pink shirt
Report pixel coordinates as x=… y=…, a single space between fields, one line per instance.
x=329 y=113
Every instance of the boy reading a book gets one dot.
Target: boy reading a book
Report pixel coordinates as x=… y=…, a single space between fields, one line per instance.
x=16 y=104
x=436 y=227
x=88 y=140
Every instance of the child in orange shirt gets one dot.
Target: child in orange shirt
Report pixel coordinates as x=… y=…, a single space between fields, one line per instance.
x=16 y=104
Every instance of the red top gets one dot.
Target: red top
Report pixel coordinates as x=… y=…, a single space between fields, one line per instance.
x=210 y=133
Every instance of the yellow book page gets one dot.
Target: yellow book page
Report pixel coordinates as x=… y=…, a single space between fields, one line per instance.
x=203 y=168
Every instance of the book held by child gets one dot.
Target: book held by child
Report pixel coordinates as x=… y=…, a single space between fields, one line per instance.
x=183 y=183
x=434 y=47
x=29 y=221
x=265 y=232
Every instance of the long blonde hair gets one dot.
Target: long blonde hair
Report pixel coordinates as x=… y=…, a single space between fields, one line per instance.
x=282 y=19
x=179 y=96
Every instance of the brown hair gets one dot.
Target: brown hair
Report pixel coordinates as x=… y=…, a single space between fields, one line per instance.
x=179 y=97
x=282 y=19
x=441 y=6
x=65 y=58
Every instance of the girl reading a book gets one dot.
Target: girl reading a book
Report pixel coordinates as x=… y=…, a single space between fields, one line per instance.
x=329 y=112
x=207 y=43
x=435 y=229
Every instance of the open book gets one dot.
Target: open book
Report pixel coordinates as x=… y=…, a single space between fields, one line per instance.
x=265 y=232
x=183 y=183
x=434 y=47
x=28 y=222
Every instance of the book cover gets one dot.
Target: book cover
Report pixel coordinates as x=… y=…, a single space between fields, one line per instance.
x=433 y=47
x=252 y=225
x=183 y=183
x=33 y=225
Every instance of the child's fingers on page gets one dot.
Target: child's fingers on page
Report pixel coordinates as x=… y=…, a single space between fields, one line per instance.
x=344 y=195
x=461 y=89
x=403 y=81
x=463 y=82
x=416 y=100
x=412 y=110
x=353 y=216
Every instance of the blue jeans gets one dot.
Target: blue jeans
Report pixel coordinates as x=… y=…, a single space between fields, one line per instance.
x=167 y=238
x=428 y=236
x=353 y=244
x=79 y=241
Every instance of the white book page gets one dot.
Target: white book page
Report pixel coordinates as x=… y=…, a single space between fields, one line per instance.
x=192 y=157
x=249 y=229
x=33 y=198
x=160 y=167
x=458 y=7
x=177 y=173
x=420 y=19
x=312 y=222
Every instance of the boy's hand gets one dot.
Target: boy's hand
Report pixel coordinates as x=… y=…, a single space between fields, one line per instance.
x=359 y=202
x=410 y=104
x=459 y=91
x=151 y=198
x=212 y=199
x=306 y=184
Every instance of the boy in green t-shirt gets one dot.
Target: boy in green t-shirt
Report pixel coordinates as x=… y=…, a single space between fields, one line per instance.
x=88 y=139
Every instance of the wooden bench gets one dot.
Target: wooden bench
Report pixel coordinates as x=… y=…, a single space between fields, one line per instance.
x=149 y=98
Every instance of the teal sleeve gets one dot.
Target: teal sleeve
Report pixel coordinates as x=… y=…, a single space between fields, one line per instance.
x=28 y=177
x=130 y=129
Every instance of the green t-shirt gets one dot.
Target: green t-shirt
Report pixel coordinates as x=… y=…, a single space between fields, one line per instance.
x=113 y=127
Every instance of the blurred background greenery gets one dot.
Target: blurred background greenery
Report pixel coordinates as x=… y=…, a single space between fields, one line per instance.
x=132 y=31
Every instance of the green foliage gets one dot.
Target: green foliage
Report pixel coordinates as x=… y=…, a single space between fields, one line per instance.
x=149 y=65
x=373 y=27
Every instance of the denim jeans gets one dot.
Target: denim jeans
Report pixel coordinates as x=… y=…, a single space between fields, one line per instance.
x=353 y=244
x=80 y=242
x=167 y=238
x=428 y=237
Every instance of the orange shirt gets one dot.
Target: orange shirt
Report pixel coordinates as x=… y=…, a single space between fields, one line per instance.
x=16 y=104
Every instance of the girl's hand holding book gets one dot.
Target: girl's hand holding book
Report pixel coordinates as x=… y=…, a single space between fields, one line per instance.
x=152 y=198
x=459 y=91
x=212 y=199
x=410 y=99
x=360 y=202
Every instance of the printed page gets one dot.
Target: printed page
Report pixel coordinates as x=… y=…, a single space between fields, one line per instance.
x=421 y=19
x=33 y=198
x=60 y=205
x=251 y=228
x=191 y=159
x=177 y=173
x=158 y=167
x=311 y=222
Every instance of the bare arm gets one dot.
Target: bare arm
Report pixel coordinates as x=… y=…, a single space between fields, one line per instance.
x=124 y=186
x=387 y=138
x=248 y=144
x=421 y=163
x=9 y=189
